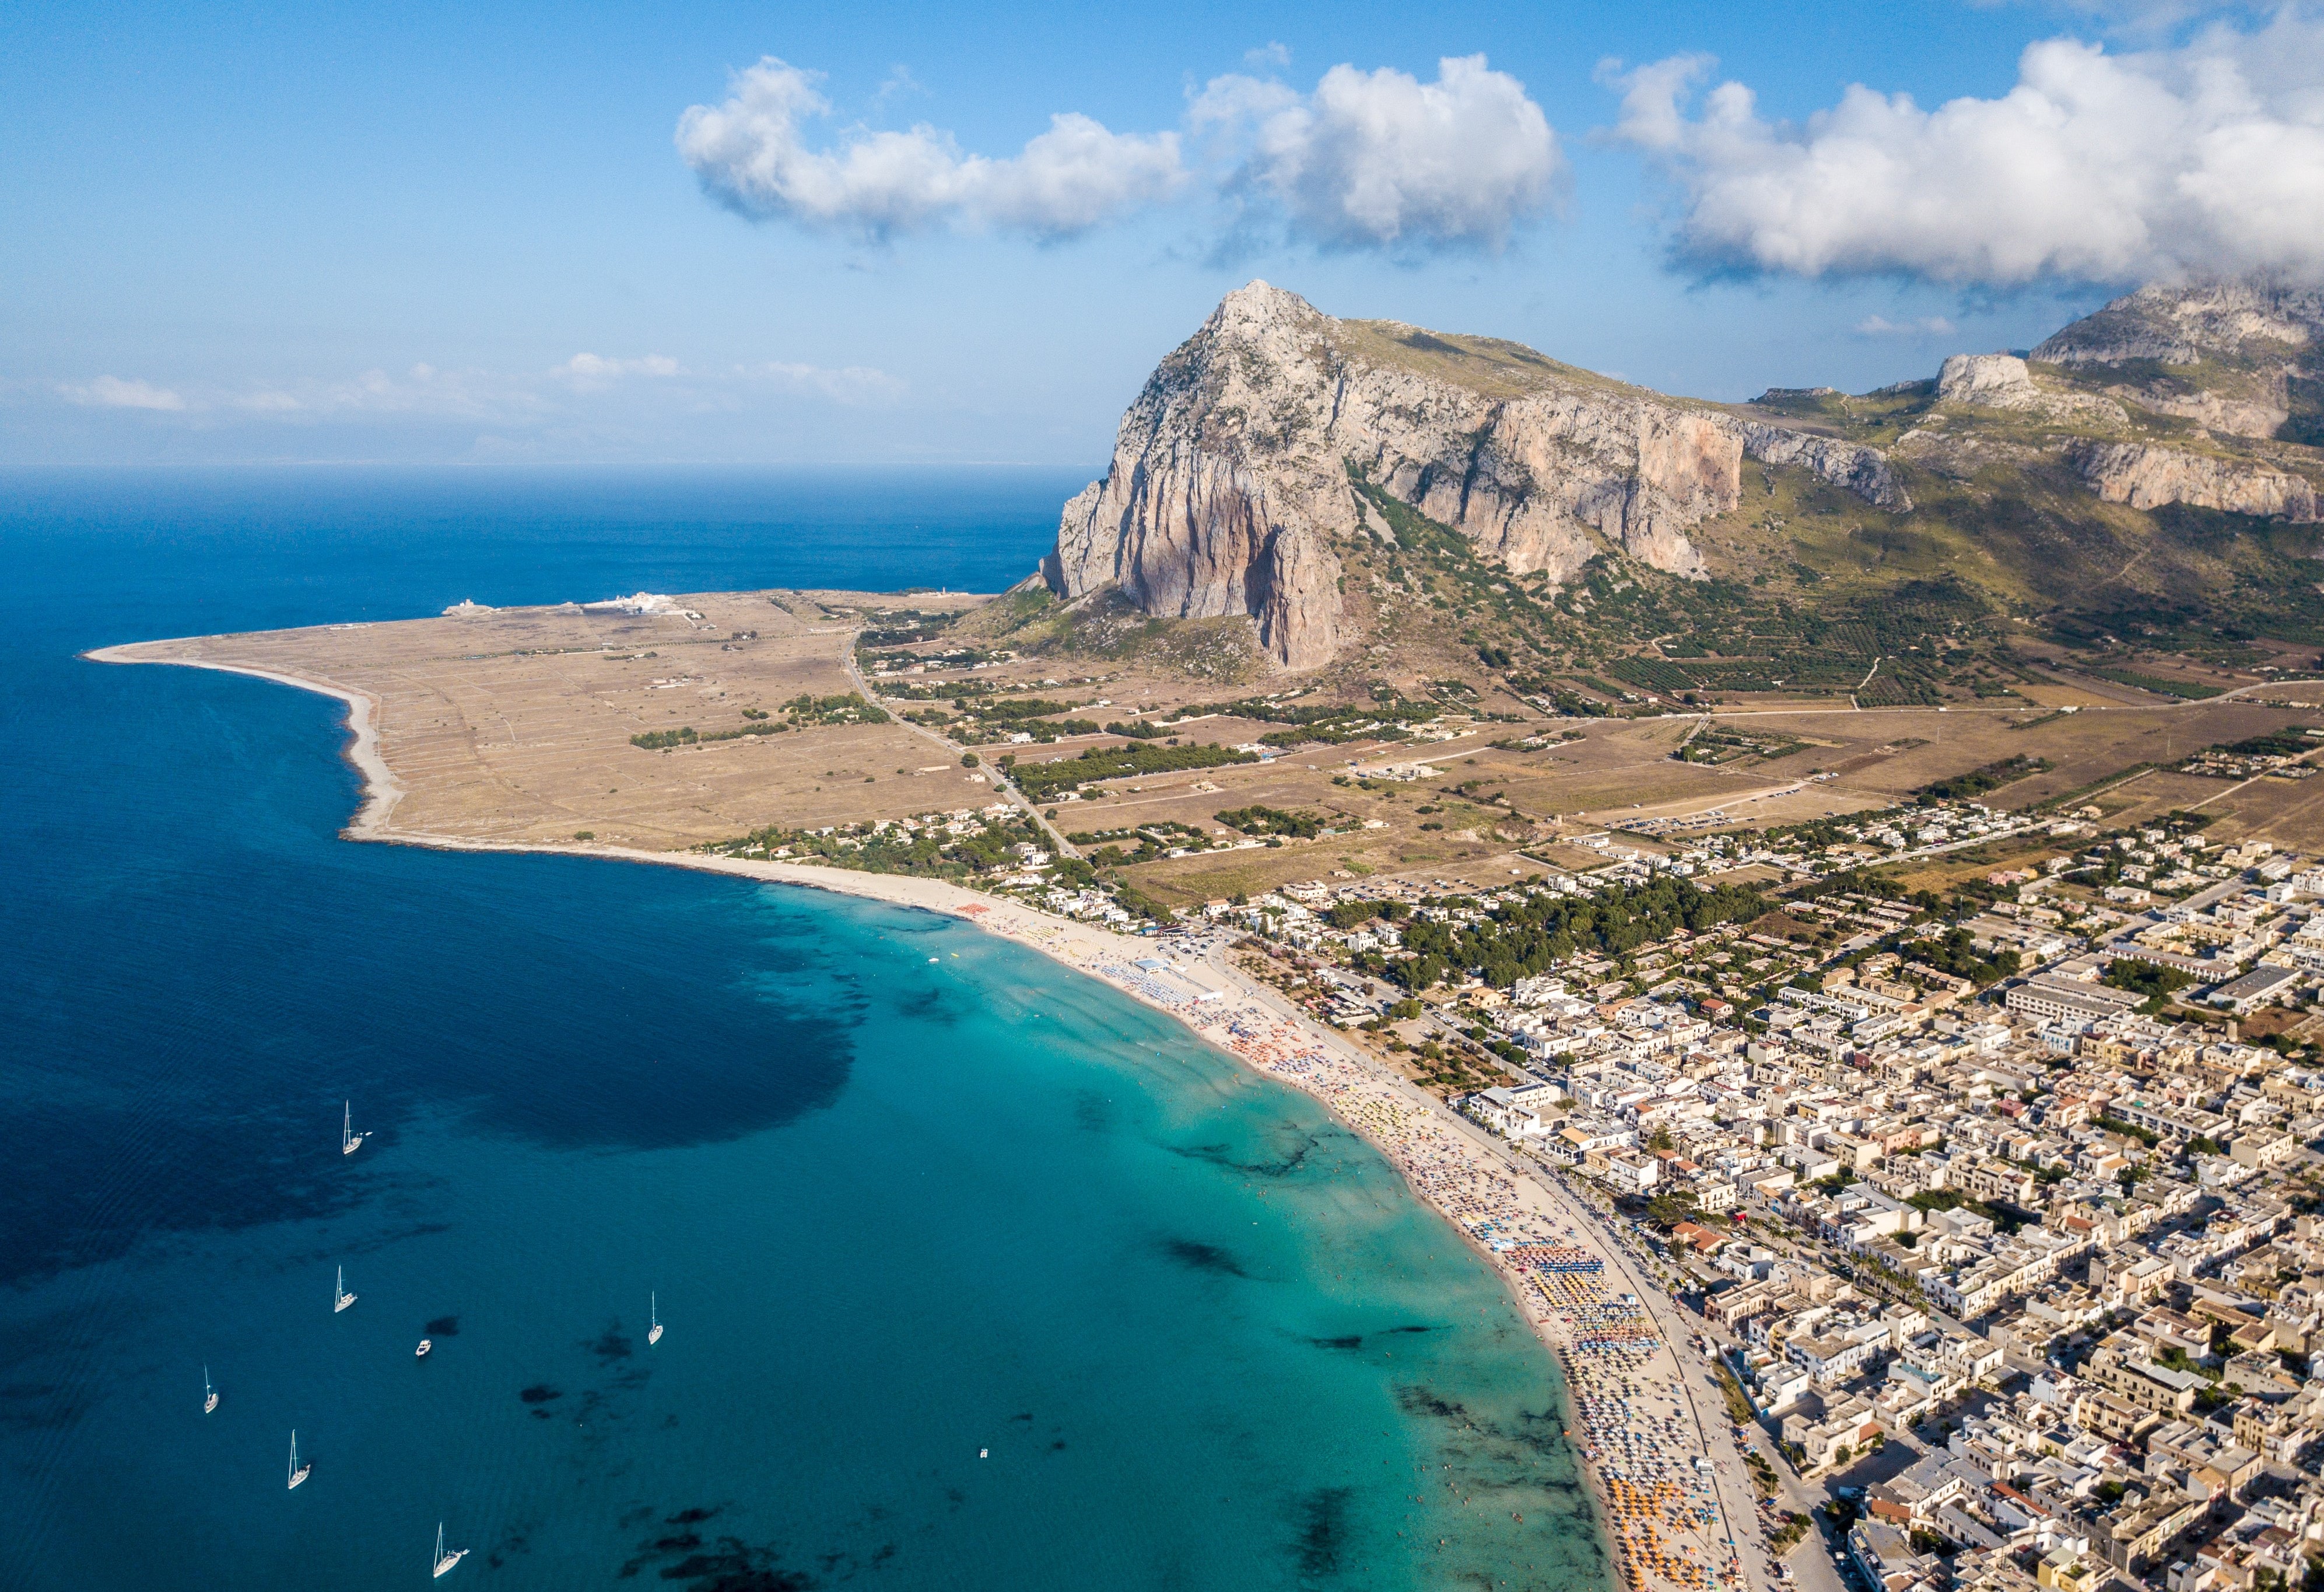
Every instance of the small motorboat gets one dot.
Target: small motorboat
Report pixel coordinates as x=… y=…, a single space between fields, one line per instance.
x=425 y=1345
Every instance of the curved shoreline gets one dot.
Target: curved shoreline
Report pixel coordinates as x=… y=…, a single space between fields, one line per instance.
x=380 y=788
x=1443 y=1159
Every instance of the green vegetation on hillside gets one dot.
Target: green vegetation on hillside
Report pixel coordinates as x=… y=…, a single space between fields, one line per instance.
x=928 y=850
x=686 y=735
x=805 y=713
x=2163 y=684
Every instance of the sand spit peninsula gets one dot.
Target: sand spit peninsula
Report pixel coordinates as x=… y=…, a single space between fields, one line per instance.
x=516 y=725
x=664 y=723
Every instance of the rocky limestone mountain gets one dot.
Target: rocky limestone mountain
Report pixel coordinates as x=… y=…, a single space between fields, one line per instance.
x=2197 y=394
x=2238 y=358
x=2186 y=324
x=1232 y=481
x=2004 y=381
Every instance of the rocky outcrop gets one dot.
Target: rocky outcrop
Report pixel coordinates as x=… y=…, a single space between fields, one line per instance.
x=1230 y=478
x=1864 y=471
x=2146 y=477
x=2004 y=381
x=2229 y=417
x=1989 y=381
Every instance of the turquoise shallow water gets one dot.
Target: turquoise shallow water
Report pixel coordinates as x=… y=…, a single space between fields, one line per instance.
x=897 y=1211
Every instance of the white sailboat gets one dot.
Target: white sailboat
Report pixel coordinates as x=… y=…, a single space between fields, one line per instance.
x=445 y=1561
x=209 y=1393
x=350 y=1141
x=298 y=1471
x=340 y=1297
x=653 y=1314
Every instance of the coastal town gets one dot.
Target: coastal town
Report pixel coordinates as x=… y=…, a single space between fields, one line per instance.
x=1990 y=1223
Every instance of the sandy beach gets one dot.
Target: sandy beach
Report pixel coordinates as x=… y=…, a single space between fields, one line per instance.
x=1676 y=1505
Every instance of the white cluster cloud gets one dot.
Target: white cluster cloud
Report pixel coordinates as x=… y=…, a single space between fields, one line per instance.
x=752 y=152
x=1926 y=326
x=1368 y=160
x=1379 y=159
x=2203 y=158
x=112 y=392
x=575 y=386
x=594 y=370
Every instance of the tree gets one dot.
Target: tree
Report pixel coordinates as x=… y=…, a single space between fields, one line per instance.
x=1670 y=1207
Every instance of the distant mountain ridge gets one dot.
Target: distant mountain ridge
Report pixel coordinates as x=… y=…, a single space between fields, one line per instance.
x=1242 y=469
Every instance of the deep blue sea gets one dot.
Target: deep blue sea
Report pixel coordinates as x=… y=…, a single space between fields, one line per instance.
x=975 y=1274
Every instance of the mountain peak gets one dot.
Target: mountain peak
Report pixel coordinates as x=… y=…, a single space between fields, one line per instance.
x=1274 y=436
x=1258 y=307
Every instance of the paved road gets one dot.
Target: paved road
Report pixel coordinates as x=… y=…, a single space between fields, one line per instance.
x=1811 y=1558
x=1005 y=786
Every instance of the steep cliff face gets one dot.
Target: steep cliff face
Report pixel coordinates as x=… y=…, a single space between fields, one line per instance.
x=1230 y=479
x=2197 y=394
x=2147 y=477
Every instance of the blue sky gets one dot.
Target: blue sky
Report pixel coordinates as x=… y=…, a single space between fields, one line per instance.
x=468 y=233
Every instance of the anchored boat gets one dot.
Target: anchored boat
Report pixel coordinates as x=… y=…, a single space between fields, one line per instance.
x=445 y=1561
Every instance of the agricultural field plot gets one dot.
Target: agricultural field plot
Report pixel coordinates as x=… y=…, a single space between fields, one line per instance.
x=2289 y=813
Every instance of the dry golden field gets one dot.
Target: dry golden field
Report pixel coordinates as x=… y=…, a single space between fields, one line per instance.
x=516 y=724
